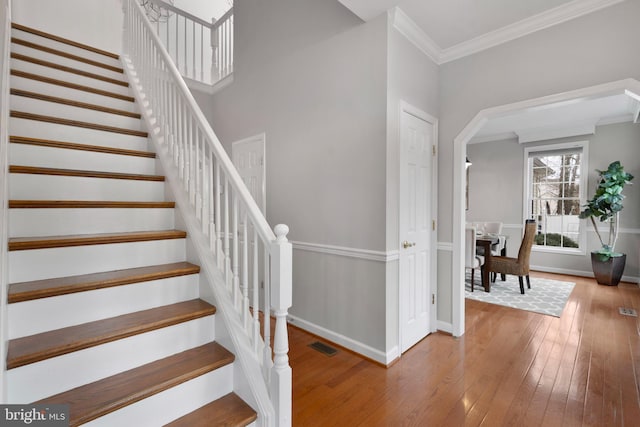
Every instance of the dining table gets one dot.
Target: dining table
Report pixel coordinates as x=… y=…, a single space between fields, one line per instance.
x=486 y=241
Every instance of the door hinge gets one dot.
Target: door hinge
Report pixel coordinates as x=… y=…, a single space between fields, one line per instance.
x=433 y=224
x=433 y=298
x=433 y=149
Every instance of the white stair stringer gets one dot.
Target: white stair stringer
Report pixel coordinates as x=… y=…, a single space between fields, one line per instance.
x=91 y=364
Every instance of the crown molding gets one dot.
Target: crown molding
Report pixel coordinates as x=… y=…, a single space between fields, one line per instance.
x=408 y=28
x=549 y=18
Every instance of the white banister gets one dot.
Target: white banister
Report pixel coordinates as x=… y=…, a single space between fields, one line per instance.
x=229 y=232
x=201 y=50
x=5 y=41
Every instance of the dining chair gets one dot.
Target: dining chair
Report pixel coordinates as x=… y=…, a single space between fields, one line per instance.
x=495 y=228
x=517 y=266
x=471 y=259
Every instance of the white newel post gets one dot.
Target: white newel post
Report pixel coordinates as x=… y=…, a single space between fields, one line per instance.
x=215 y=65
x=281 y=300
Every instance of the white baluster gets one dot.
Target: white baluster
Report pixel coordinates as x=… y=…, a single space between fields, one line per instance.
x=235 y=265
x=245 y=273
x=227 y=255
x=215 y=64
x=256 y=293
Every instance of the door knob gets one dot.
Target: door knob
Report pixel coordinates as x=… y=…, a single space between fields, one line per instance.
x=406 y=244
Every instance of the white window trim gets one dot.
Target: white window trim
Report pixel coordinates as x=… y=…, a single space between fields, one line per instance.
x=582 y=239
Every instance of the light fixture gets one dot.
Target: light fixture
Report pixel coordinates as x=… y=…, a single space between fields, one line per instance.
x=467 y=163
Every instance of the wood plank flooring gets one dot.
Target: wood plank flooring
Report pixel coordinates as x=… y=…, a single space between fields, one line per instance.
x=511 y=368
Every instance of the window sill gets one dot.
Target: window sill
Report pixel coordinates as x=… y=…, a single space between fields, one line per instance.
x=558 y=250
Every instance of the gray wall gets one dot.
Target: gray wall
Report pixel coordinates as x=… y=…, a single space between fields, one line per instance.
x=312 y=76
x=97 y=23
x=501 y=199
x=593 y=49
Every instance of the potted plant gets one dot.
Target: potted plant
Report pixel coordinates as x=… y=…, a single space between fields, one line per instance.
x=606 y=205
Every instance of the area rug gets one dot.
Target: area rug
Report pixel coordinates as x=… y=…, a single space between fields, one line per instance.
x=546 y=296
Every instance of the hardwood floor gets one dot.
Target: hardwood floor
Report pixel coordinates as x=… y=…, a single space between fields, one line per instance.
x=511 y=368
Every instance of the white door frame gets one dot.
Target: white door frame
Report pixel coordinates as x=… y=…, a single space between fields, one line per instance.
x=405 y=107
x=262 y=137
x=629 y=87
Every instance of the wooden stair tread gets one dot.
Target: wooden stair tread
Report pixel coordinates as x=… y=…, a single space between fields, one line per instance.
x=26 y=291
x=26 y=58
x=65 y=101
x=64 y=54
x=63 y=40
x=36 y=170
x=229 y=410
x=70 y=85
x=99 y=398
x=27 y=243
x=77 y=123
x=34 y=348
x=82 y=147
x=84 y=204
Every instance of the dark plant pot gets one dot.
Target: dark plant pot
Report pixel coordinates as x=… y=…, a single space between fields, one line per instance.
x=608 y=272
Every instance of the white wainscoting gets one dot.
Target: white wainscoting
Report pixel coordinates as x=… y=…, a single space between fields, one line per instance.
x=346 y=342
x=346 y=251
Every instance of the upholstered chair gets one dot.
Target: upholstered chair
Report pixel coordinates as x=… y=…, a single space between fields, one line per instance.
x=517 y=266
x=471 y=259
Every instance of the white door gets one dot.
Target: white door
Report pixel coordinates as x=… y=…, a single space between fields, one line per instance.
x=416 y=157
x=248 y=158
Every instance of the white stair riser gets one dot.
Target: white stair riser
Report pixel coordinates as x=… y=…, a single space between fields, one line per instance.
x=37 y=264
x=44 y=41
x=25 y=383
x=50 y=187
x=56 y=132
x=54 y=73
x=46 y=108
x=44 y=88
x=61 y=158
x=172 y=403
x=65 y=221
x=68 y=62
x=41 y=315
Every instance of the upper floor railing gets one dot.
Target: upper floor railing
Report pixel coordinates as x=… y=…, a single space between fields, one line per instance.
x=237 y=249
x=201 y=50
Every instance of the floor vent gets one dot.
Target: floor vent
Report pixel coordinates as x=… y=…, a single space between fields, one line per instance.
x=323 y=348
x=628 y=312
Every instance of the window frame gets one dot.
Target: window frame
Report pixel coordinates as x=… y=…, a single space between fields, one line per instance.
x=528 y=187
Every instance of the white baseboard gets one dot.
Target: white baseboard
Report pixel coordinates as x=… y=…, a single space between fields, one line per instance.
x=580 y=273
x=445 y=326
x=346 y=342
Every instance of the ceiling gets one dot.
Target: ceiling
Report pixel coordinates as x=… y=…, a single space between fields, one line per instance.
x=450 y=29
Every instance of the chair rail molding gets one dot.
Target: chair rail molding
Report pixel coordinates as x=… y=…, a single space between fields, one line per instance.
x=367 y=254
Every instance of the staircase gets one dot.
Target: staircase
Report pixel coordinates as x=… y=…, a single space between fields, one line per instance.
x=104 y=307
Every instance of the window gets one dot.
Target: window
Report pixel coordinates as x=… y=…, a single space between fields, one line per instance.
x=556 y=183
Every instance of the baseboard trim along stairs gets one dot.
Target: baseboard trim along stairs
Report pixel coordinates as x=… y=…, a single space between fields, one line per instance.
x=106 y=310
